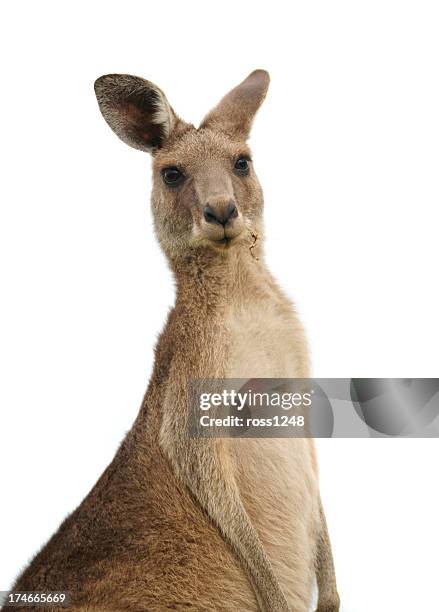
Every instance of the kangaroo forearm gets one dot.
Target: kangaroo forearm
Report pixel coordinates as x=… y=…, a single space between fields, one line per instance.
x=245 y=540
x=205 y=468
x=329 y=600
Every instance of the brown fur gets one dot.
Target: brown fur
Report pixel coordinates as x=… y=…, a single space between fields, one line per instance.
x=194 y=524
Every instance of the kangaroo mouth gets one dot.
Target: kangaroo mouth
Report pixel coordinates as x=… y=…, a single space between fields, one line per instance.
x=222 y=243
x=221 y=238
x=226 y=241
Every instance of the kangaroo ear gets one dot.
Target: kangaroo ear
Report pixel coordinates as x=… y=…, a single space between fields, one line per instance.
x=136 y=110
x=234 y=114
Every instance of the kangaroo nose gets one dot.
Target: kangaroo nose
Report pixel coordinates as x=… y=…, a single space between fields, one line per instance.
x=220 y=214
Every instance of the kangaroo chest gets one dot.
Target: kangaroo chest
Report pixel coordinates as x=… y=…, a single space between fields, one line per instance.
x=263 y=340
x=275 y=477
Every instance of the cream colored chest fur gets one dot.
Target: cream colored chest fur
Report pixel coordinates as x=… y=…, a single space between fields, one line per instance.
x=276 y=477
x=266 y=338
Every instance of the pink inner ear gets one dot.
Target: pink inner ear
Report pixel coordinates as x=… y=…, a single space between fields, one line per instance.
x=145 y=136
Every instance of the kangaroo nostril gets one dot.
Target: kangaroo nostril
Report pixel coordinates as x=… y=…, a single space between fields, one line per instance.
x=232 y=211
x=220 y=215
x=210 y=215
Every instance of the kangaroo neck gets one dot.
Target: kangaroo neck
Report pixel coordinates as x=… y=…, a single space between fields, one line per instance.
x=210 y=279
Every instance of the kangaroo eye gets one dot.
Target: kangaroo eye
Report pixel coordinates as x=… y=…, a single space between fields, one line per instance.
x=241 y=165
x=172 y=176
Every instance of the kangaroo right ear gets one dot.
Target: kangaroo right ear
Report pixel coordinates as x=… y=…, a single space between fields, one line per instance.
x=136 y=110
x=235 y=112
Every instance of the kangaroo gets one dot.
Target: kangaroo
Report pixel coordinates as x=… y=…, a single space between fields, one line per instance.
x=181 y=523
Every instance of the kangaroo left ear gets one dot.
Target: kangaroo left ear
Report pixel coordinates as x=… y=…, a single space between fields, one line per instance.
x=136 y=110
x=235 y=112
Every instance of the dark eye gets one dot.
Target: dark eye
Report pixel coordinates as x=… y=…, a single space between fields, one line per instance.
x=242 y=166
x=172 y=176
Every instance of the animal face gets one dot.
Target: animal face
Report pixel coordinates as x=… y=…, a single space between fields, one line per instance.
x=205 y=190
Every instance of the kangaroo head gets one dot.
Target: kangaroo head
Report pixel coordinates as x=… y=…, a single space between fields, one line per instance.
x=205 y=191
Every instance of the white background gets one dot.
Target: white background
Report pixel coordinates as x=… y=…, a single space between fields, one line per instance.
x=347 y=149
